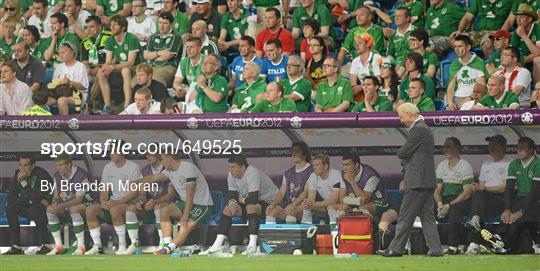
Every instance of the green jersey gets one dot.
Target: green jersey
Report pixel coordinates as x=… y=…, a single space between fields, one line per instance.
x=188 y=70
x=535 y=4
x=495 y=59
x=39 y=51
x=428 y=92
x=428 y=58
x=245 y=96
x=466 y=74
x=284 y=106
x=219 y=84
x=398 y=44
x=67 y=37
x=302 y=88
x=417 y=12
x=7 y=48
x=265 y=3
x=112 y=7
x=236 y=27
x=181 y=23
x=524 y=174
x=381 y=104
x=320 y=13
x=374 y=30
x=36 y=110
x=508 y=98
x=491 y=14
x=534 y=35
x=121 y=51
x=353 y=6
x=453 y=179
x=443 y=20
x=425 y=104
x=329 y=97
x=171 y=41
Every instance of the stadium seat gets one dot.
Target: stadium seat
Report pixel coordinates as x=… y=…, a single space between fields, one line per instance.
x=445 y=72
x=219 y=204
x=439 y=104
x=395 y=195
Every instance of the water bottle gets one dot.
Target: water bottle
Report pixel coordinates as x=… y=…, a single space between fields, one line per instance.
x=110 y=247
x=346 y=256
x=257 y=255
x=93 y=55
x=335 y=240
x=220 y=255
x=181 y=254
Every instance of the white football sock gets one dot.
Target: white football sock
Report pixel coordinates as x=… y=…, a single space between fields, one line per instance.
x=252 y=240
x=270 y=220
x=96 y=236
x=121 y=232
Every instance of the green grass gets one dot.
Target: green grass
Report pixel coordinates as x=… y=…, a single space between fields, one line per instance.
x=273 y=263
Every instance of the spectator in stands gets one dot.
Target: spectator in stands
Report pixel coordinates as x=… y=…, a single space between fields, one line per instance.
x=296 y=86
x=498 y=97
x=479 y=91
x=414 y=66
x=171 y=107
x=200 y=30
x=311 y=9
x=367 y=63
x=389 y=82
x=26 y=198
x=15 y=96
x=314 y=70
x=417 y=97
x=93 y=46
x=144 y=79
x=76 y=18
x=208 y=14
x=365 y=25
x=310 y=29
x=112 y=202
x=41 y=18
x=233 y=27
x=521 y=207
x=210 y=93
x=29 y=69
x=30 y=36
x=465 y=72
x=105 y=10
x=56 y=6
x=71 y=72
x=163 y=49
x=250 y=92
x=250 y=192
x=335 y=94
x=274 y=65
x=123 y=54
x=274 y=30
x=246 y=48
x=373 y=102
x=398 y=44
x=346 y=12
x=364 y=189
x=535 y=97
x=9 y=39
x=454 y=188
x=416 y=11
x=488 y=198
x=143 y=105
x=181 y=21
x=189 y=67
x=442 y=19
x=292 y=191
x=518 y=79
x=490 y=15
x=139 y=23
x=527 y=37
x=273 y=101
x=418 y=42
x=12 y=14
x=40 y=108
x=325 y=185
x=67 y=201
x=59 y=35
x=501 y=40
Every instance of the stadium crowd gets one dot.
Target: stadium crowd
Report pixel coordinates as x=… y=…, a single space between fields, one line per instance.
x=201 y=56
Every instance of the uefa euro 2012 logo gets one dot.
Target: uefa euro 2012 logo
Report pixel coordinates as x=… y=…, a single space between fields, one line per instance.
x=73 y=124
x=527 y=118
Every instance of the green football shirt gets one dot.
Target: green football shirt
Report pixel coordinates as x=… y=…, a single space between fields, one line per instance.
x=428 y=92
x=453 y=179
x=466 y=74
x=534 y=35
x=505 y=101
x=181 y=23
x=382 y=104
x=398 y=44
x=188 y=70
x=302 y=87
x=236 y=27
x=219 y=84
x=332 y=96
x=121 y=51
x=67 y=37
x=491 y=14
x=374 y=30
x=39 y=51
x=7 y=48
x=112 y=7
x=425 y=104
x=284 y=106
x=245 y=96
x=524 y=174
x=265 y=3
x=417 y=12
x=443 y=20
x=320 y=13
x=171 y=41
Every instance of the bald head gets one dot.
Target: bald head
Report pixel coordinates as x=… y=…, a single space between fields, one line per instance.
x=251 y=71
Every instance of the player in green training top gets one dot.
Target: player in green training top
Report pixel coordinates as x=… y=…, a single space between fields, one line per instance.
x=498 y=97
x=273 y=101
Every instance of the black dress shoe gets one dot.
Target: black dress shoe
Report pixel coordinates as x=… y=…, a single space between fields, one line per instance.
x=14 y=251
x=43 y=250
x=388 y=253
x=434 y=254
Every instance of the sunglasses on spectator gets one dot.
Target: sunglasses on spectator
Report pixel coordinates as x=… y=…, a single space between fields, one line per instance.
x=10 y=9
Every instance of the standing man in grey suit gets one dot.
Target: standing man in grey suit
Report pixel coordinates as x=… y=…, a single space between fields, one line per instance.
x=420 y=183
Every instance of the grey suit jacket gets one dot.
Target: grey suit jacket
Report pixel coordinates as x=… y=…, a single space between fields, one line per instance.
x=418 y=153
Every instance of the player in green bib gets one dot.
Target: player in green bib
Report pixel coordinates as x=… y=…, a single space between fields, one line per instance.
x=522 y=208
x=335 y=94
x=498 y=97
x=373 y=102
x=250 y=92
x=60 y=35
x=296 y=86
x=273 y=101
x=527 y=34
x=211 y=89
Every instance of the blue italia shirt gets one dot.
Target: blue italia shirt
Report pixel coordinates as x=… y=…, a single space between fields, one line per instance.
x=274 y=71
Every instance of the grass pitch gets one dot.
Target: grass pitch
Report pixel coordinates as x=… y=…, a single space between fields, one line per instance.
x=272 y=262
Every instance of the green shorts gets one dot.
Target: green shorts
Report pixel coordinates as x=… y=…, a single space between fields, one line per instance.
x=199 y=213
x=381 y=207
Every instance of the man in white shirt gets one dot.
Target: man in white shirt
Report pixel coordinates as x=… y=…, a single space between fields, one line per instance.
x=41 y=18
x=324 y=188
x=144 y=104
x=367 y=63
x=15 y=96
x=479 y=91
x=140 y=24
x=518 y=79
x=76 y=18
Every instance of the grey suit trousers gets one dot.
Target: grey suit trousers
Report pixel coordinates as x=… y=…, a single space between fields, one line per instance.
x=417 y=202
